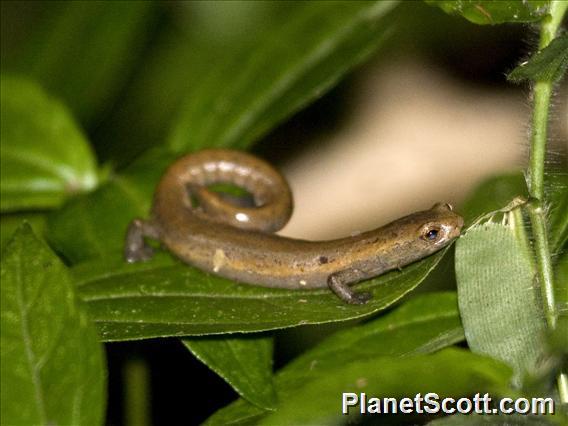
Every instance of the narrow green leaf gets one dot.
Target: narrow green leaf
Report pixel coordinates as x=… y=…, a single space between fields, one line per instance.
x=491 y=12
x=320 y=401
x=161 y=298
x=422 y=325
x=83 y=51
x=94 y=225
x=51 y=359
x=497 y=293
x=245 y=362
x=292 y=64
x=548 y=64
x=44 y=155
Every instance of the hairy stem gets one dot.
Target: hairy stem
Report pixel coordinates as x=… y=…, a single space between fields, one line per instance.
x=542 y=95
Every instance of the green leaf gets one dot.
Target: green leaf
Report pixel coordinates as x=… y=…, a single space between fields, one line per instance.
x=548 y=64
x=83 y=51
x=161 y=298
x=556 y=187
x=245 y=362
x=176 y=60
x=292 y=64
x=491 y=12
x=498 y=297
x=422 y=325
x=94 y=225
x=497 y=191
x=320 y=401
x=493 y=194
x=52 y=363
x=44 y=155
x=9 y=222
x=561 y=281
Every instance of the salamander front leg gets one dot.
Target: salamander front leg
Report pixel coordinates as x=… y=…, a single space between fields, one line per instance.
x=339 y=284
x=136 y=249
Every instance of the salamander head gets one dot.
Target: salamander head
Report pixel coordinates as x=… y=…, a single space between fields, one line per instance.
x=443 y=227
x=428 y=231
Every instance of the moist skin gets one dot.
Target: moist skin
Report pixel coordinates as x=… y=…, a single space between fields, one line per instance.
x=236 y=240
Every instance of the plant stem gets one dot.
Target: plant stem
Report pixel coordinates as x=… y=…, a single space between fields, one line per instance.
x=543 y=262
x=542 y=95
x=137 y=398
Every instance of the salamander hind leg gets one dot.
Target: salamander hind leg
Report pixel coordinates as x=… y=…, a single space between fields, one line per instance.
x=136 y=249
x=339 y=283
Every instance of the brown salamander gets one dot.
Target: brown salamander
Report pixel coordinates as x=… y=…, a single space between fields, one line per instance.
x=206 y=229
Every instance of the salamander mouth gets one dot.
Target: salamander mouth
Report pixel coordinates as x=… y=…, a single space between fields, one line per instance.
x=456 y=231
x=460 y=226
x=453 y=230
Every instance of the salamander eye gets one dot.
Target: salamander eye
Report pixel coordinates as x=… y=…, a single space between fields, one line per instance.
x=431 y=233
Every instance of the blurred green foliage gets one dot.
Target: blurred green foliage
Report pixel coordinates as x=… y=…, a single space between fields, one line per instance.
x=136 y=83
